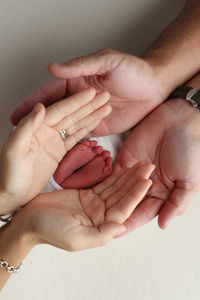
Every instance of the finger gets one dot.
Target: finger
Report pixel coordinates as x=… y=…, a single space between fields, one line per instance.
x=19 y=141
x=143 y=172
x=144 y=213
x=72 y=140
x=175 y=206
x=114 y=182
x=98 y=114
x=138 y=171
x=120 y=212
x=116 y=167
x=99 y=188
x=91 y=237
x=93 y=64
x=47 y=94
x=59 y=110
x=84 y=112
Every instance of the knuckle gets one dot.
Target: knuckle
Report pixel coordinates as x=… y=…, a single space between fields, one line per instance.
x=77 y=60
x=58 y=109
x=71 y=130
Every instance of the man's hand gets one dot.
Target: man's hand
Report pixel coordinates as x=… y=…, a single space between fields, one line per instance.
x=33 y=151
x=133 y=83
x=169 y=137
x=76 y=220
x=136 y=85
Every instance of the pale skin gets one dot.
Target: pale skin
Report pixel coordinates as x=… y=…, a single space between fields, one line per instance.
x=70 y=219
x=75 y=220
x=137 y=86
x=174 y=147
x=33 y=151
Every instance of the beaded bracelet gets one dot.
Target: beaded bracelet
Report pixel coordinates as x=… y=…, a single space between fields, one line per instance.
x=10 y=269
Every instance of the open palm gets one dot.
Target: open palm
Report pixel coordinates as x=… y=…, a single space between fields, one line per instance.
x=33 y=151
x=169 y=138
x=76 y=220
x=132 y=82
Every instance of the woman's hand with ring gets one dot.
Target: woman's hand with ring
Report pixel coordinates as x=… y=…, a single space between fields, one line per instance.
x=33 y=150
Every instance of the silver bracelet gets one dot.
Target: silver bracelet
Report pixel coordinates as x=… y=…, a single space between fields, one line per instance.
x=6 y=218
x=4 y=265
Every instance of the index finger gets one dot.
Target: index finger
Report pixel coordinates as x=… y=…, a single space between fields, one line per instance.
x=47 y=94
x=121 y=211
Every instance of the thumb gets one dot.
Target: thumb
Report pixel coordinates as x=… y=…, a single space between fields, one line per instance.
x=92 y=237
x=96 y=63
x=18 y=141
x=175 y=206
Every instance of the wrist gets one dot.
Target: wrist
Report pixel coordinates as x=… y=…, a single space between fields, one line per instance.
x=15 y=244
x=165 y=71
x=8 y=203
x=185 y=112
x=4 y=203
x=175 y=55
x=16 y=241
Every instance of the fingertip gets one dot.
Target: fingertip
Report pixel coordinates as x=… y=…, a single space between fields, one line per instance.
x=56 y=70
x=164 y=219
x=13 y=119
x=39 y=112
x=153 y=167
x=92 y=91
x=50 y=66
x=162 y=225
x=148 y=182
x=106 y=94
x=108 y=108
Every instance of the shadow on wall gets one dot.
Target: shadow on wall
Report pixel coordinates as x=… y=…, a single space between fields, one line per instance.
x=25 y=68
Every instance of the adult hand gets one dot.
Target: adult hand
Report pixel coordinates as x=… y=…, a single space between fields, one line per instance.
x=33 y=151
x=76 y=220
x=134 y=85
x=169 y=137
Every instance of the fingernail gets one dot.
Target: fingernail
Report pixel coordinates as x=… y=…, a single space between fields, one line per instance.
x=36 y=108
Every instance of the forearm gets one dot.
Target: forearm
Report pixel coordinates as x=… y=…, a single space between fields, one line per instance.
x=175 y=55
x=15 y=244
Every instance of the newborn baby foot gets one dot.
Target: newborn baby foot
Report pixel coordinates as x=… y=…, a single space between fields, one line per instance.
x=92 y=173
x=77 y=157
x=84 y=166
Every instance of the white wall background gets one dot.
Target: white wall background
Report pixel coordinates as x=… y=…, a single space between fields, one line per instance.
x=148 y=264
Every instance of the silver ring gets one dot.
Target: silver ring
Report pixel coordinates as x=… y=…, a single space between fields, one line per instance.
x=63 y=134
